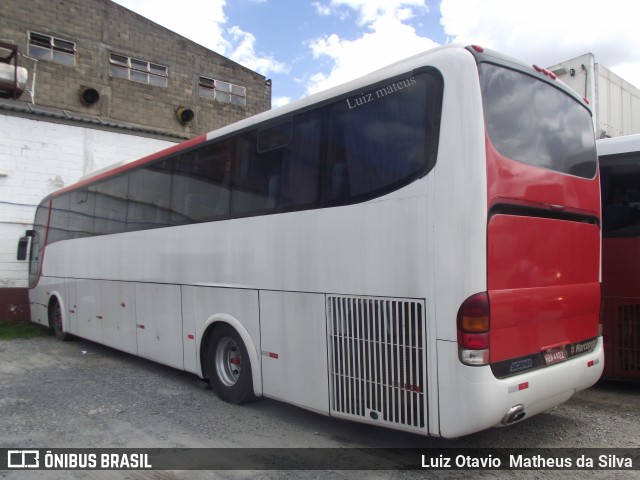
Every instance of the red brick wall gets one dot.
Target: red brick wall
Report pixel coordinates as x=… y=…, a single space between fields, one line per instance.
x=14 y=304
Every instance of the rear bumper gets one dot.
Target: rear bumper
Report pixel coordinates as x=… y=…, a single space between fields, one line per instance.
x=472 y=399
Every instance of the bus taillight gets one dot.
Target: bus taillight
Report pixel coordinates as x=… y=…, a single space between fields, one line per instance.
x=473 y=330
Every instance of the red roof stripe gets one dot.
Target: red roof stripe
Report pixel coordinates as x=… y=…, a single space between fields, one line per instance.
x=136 y=163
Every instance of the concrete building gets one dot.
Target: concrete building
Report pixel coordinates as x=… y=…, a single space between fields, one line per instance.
x=101 y=85
x=98 y=58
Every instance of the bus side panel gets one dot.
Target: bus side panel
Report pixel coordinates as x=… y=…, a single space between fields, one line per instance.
x=294 y=348
x=102 y=311
x=543 y=284
x=189 y=344
x=118 y=312
x=159 y=324
x=88 y=294
x=458 y=229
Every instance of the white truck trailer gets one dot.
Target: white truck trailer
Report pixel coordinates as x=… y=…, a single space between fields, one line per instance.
x=615 y=102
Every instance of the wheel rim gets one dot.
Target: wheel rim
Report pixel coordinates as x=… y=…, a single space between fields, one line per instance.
x=228 y=361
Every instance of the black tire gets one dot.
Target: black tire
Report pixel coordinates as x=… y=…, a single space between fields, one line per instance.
x=229 y=366
x=55 y=321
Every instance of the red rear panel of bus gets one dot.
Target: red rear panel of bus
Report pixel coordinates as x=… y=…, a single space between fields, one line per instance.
x=543 y=271
x=543 y=230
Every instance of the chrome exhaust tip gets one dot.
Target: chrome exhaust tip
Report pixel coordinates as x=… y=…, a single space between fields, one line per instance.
x=514 y=414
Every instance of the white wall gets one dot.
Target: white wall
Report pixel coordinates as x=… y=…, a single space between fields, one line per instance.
x=39 y=157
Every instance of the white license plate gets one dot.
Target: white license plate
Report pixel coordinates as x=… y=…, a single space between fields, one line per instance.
x=554 y=355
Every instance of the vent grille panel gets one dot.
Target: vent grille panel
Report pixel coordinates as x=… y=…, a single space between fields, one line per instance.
x=377 y=364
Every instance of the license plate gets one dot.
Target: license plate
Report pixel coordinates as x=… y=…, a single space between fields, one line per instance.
x=554 y=355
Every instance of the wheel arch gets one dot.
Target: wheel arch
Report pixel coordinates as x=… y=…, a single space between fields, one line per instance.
x=209 y=327
x=54 y=297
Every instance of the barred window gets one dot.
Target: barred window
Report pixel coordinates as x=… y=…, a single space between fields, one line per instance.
x=45 y=47
x=136 y=70
x=223 y=91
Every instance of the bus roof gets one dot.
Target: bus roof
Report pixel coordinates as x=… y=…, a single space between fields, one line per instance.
x=624 y=144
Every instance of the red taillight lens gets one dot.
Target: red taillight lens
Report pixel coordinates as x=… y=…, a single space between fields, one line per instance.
x=473 y=329
x=477 y=48
x=475 y=341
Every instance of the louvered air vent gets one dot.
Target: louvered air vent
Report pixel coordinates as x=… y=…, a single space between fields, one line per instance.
x=377 y=359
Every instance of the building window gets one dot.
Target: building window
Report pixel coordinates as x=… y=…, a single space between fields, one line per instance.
x=121 y=66
x=45 y=47
x=223 y=91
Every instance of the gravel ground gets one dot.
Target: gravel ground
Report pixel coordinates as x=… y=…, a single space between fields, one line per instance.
x=79 y=394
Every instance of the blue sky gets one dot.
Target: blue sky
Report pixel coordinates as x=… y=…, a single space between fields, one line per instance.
x=307 y=46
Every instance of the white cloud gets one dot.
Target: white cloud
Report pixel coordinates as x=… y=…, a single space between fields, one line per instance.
x=245 y=54
x=280 y=101
x=547 y=32
x=204 y=22
x=544 y=32
x=386 y=40
x=322 y=10
x=206 y=28
x=370 y=10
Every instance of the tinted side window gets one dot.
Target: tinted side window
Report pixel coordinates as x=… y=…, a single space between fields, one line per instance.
x=533 y=122
x=301 y=161
x=59 y=220
x=149 y=196
x=620 y=186
x=277 y=168
x=257 y=177
x=81 y=210
x=359 y=147
x=111 y=205
x=38 y=241
x=382 y=138
x=201 y=184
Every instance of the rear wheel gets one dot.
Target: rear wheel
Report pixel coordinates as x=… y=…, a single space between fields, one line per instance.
x=229 y=366
x=55 y=321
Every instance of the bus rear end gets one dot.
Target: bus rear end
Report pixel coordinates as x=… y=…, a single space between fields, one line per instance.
x=536 y=326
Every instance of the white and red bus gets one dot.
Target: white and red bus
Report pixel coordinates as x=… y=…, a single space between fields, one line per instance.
x=417 y=249
x=620 y=177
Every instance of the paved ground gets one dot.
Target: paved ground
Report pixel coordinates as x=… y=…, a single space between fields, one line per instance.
x=79 y=394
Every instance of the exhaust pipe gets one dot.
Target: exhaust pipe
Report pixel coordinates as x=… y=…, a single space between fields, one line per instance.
x=514 y=414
